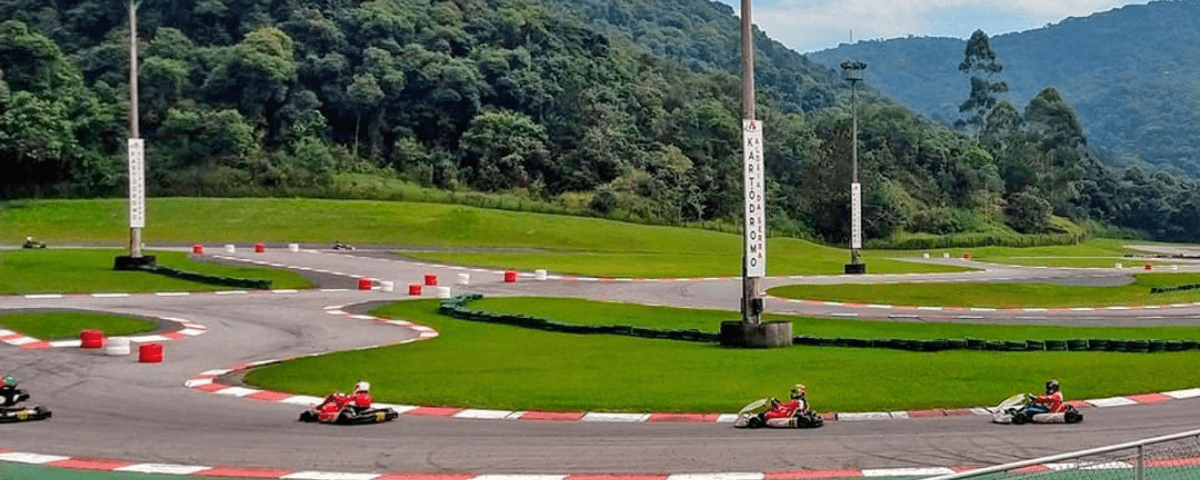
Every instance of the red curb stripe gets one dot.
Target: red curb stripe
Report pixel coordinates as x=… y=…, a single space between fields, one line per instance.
x=210 y=387
x=427 y=476
x=926 y=413
x=616 y=477
x=240 y=366
x=831 y=416
x=964 y=468
x=1031 y=469
x=174 y=335
x=39 y=345
x=1079 y=404
x=1172 y=462
x=552 y=416
x=89 y=464
x=243 y=472
x=682 y=418
x=1150 y=398
x=803 y=474
x=269 y=396
x=960 y=412
x=434 y=411
x=11 y=337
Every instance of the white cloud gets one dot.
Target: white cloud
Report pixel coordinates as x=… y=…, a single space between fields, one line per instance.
x=808 y=25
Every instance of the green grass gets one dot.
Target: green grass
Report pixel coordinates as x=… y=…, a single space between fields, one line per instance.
x=90 y=271
x=495 y=366
x=688 y=251
x=579 y=311
x=67 y=325
x=1003 y=295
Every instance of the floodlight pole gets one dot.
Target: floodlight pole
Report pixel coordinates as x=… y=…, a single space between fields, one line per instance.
x=852 y=72
x=753 y=245
x=135 y=223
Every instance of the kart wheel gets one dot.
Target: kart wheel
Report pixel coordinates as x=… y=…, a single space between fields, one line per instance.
x=1019 y=419
x=1071 y=416
x=308 y=416
x=755 y=422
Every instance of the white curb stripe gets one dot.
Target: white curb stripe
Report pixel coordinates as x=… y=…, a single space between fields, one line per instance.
x=302 y=400
x=1182 y=394
x=484 y=414
x=727 y=418
x=614 y=417
x=66 y=343
x=864 y=416
x=906 y=472
x=110 y=295
x=38 y=297
x=197 y=382
x=163 y=468
x=34 y=458
x=232 y=292
x=172 y=294
x=718 y=476
x=331 y=476
x=237 y=391
x=1111 y=402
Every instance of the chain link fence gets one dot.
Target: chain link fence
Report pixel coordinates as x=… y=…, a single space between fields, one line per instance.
x=1171 y=457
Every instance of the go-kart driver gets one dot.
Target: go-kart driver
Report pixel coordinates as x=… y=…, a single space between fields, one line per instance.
x=10 y=395
x=359 y=401
x=1051 y=402
x=781 y=413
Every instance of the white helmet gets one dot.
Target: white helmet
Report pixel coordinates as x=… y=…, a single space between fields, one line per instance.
x=362 y=387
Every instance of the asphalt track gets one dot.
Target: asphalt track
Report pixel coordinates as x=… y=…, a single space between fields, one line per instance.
x=114 y=407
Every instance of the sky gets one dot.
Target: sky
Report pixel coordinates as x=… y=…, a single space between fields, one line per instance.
x=811 y=25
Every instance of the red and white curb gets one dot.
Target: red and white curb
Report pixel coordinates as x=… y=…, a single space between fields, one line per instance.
x=206 y=382
x=106 y=465
x=189 y=329
x=825 y=303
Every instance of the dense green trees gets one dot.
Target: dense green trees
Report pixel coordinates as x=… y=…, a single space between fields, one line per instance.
x=635 y=117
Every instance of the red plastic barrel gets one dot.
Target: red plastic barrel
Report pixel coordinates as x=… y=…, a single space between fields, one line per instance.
x=198 y=249
x=414 y=289
x=967 y=256
x=364 y=284
x=260 y=247
x=91 y=339
x=150 y=353
x=1149 y=266
x=510 y=276
x=430 y=280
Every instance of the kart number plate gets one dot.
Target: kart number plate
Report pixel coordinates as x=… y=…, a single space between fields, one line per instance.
x=380 y=416
x=23 y=414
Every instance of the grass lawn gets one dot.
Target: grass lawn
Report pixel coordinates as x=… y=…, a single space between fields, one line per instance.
x=494 y=366
x=67 y=325
x=1081 y=262
x=580 y=245
x=579 y=311
x=1003 y=295
x=90 y=271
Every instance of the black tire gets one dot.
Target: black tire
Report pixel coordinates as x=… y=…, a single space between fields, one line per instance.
x=809 y=420
x=308 y=416
x=346 y=417
x=1072 y=416
x=1019 y=418
x=756 y=422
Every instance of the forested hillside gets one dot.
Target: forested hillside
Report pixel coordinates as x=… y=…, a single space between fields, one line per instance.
x=1130 y=73
x=636 y=117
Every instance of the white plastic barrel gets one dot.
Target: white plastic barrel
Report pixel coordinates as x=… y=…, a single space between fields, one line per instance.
x=293 y=247
x=230 y=249
x=539 y=274
x=443 y=292
x=117 y=346
x=464 y=279
x=387 y=286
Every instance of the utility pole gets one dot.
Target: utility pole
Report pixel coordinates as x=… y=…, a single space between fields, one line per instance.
x=137 y=164
x=754 y=245
x=852 y=72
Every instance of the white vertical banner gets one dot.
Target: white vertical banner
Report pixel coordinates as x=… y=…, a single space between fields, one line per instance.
x=756 y=217
x=137 y=184
x=856 y=216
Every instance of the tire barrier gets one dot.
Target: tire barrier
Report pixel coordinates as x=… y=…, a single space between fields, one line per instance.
x=250 y=283
x=1190 y=286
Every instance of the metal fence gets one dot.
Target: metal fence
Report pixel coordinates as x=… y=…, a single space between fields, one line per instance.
x=1168 y=457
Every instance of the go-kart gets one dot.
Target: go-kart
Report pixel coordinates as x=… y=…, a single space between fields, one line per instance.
x=342 y=246
x=753 y=416
x=23 y=414
x=337 y=411
x=31 y=243
x=1015 y=410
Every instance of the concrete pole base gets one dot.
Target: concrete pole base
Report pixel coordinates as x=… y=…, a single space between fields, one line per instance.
x=736 y=333
x=856 y=268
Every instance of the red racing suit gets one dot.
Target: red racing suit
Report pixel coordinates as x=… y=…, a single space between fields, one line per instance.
x=1054 y=402
x=360 y=401
x=785 y=409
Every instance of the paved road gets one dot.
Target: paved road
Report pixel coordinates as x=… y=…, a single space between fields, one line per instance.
x=113 y=407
